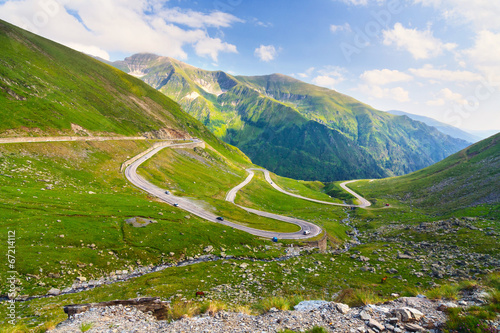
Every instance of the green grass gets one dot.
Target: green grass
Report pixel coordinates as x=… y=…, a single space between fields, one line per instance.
x=76 y=170
x=308 y=189
x=259 y=194
x=458 y=183
x=189 y=174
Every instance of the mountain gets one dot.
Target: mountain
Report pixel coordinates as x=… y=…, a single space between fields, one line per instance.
x=452 y=131
x=49 y=89
x=468 y=178
x=293 y=128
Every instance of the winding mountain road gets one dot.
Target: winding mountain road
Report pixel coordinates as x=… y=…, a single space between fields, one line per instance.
x=232 y=194
x=308 y=230
x=187 y=205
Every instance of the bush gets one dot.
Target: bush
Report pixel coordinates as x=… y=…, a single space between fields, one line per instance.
x=212 y=307
x=183 y=309
x=280 y=303
x=357 y=297
x=448 y=291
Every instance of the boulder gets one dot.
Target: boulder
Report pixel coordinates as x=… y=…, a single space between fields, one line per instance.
x=54 y=292
x=376 y=325
x=407 y=314
x=342 y=308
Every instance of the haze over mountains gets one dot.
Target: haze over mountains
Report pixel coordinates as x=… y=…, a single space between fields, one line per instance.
x=442 y=127
x=293 y=128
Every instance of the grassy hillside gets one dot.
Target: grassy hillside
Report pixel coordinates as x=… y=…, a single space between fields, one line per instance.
x=296 y=129
x=468 y=178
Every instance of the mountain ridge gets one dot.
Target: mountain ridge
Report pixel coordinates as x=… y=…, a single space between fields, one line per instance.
x=268 y=114
x=442 y=127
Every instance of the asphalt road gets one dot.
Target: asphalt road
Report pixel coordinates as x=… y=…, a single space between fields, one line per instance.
x=364 y=203
x=185 y=204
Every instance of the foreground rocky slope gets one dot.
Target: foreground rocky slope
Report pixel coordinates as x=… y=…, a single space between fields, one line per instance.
x=405 y=314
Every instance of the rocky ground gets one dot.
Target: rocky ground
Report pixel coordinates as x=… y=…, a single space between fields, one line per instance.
x=405 y=314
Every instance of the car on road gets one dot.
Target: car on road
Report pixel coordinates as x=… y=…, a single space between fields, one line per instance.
x=176 y=205
x=220 y=218
x=167 y=192
x=306 y=232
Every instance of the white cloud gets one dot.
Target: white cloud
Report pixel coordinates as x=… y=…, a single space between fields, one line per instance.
x=212 y=46
x=307 y=73
x=446 y=96
x=421 y=44
x=482 y=14
x=362 y=2
x=121 y=26
x=384 y=76
x=91 y=50
x=266 y=52
x=429 y=72
x=336 y=28
x=329 y=77
x=195 y=19
x=398 y=93
x=484 y=55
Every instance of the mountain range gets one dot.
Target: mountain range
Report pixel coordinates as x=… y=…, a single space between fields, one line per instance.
x=442 y=127
x=293 y=128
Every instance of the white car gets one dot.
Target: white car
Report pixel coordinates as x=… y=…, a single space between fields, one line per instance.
x=306 y=232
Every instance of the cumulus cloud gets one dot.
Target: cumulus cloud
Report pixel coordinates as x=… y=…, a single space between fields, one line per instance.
x=481 y=14
x=398 y=93
x=429 y=72
x=421 y=44
x=446 y=96
x=266 y=52
x=384 y=76
x=329 y=77
x=337 y=28
x=307 y=73
x=128 y=26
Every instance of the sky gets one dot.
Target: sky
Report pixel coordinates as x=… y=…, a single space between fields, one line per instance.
x=436 y=58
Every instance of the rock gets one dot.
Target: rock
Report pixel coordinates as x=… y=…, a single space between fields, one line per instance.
x=362 y=258
x=244 y=265
x=62 y=236
x=414 y=328
x=54 y=292
x=404 y=256
x=342 y=308
x=81 y=278
x=391 y=271
x=305 y=306
x=209 y=248
x=376 y=325
x=446 y=305
x=407 y=314
x=364 y=315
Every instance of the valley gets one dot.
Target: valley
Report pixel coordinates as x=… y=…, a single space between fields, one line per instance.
x=114 y=192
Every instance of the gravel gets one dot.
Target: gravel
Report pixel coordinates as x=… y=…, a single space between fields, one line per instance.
x=320 y=313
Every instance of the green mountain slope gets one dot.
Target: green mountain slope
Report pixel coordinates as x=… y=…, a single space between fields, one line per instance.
x=49 y=89
x=468 y=178
x=293 y=128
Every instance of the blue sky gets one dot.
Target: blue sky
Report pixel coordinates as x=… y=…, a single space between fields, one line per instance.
x=437 y=58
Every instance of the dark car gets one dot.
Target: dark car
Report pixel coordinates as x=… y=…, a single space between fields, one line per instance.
x=176 y=205
x=220 y=218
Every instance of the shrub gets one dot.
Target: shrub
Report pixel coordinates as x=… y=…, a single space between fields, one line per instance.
x=357 y=297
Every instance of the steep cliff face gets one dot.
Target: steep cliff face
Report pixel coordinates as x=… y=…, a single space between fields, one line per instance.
x=294 y=128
